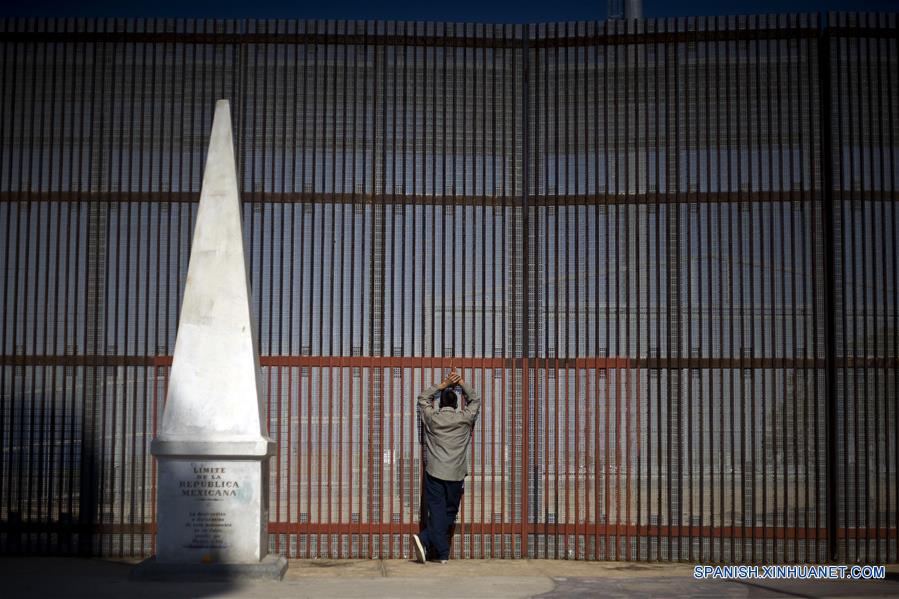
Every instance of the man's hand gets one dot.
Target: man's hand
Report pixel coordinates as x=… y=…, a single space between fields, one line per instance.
x=451 y=379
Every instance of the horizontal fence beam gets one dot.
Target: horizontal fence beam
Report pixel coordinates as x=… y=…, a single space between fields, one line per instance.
x=603 y=38
x=501 y=41
x=446 y=362
x=481 y=528
x=675 y=197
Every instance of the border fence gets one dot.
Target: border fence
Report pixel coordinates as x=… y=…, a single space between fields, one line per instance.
x=664 y=250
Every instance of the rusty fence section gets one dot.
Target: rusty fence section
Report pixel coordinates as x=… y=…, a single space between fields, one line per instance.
x=664 y=251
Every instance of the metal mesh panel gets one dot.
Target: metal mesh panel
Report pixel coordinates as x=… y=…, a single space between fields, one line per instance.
x=864 y=129
x=664 y=251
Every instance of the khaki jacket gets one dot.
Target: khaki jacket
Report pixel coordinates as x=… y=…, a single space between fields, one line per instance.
x=448 y=433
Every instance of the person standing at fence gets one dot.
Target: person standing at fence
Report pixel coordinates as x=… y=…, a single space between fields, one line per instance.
x=447 y=436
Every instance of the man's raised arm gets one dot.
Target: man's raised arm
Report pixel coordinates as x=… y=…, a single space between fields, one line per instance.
x=426 y=401
x=473 y=405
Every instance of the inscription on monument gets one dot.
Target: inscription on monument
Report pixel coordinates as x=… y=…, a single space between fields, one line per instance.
x=205 y=502
x=209 y=483
x=210 y=530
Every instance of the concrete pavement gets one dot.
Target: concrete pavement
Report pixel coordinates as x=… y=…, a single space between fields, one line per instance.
x=50 y=577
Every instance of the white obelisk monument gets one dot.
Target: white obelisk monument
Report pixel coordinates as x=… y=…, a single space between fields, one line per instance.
x=213 y=449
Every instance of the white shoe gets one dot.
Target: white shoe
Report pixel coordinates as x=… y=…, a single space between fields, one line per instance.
x=418 y=549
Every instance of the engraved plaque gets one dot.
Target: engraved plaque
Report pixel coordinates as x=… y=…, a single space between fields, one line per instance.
x=211 y=510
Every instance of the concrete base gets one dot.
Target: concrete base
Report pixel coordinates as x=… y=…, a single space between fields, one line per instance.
x=212 y=510
x=272 y=567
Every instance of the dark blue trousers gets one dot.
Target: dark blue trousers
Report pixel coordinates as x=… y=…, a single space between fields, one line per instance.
x=443 y=498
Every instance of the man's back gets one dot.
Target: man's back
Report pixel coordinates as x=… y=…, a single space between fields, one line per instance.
x=448 y=433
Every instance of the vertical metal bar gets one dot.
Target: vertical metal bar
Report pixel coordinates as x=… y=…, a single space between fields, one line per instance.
x=829 y=241
x=870 y=393
x=416 y=227
x=289 y=214
x=780 y=547
x=373 y=318
x=158 y=348
x=697 y=375
x=575 y=100
x=781 y=189
x=614 y=212
x=128 y=397
x=594 y=371
x=343 y=445
x=390 y=68
x=105 y=181
x=500 y=211
x=26 y=185
x=525 y=284
x=566 y=353
x=113 y=295
x=744 y=206
x=877 y=151
x=791 y=350
x=625 y=349
x=641 y=184
x=655 y=349
x=460 y=351
x=733 y=214
x=378 y=273
x=765 y=290
x=85 y=517
x=404 y=190
x=277 y=214
x=542 y=453
x=297 y=263
x=331 y=185
x=44 y=511
x=140 y=422
x=603 y=352
x=325 y=367
x=857 y=308
x=351 y=436
x=709 y=350
x=554 y=68
x=482 y=215
x=66 y=468
x=807 y=230
x=676 y=398
x=725 y=349
x=308 y=183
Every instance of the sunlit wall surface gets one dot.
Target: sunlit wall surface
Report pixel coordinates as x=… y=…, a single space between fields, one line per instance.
x=664 y=251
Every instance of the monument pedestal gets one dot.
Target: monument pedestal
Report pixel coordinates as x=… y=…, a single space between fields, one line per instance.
x=212 y=501
x=213 y=509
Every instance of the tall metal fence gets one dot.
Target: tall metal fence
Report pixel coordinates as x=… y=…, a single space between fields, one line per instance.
x=664 y=250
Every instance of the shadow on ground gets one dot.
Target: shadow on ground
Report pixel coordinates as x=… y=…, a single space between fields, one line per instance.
x=66 y=577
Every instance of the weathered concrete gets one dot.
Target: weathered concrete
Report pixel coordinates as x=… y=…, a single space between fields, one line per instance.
x=213 y=446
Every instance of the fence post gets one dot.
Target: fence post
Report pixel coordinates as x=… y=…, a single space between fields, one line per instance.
x=526 y=288
x=829 y=241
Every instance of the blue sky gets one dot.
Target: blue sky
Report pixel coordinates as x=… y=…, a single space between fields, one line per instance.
x=521 y=11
